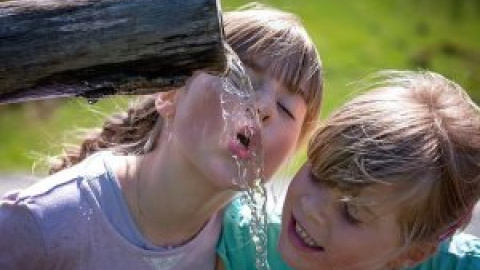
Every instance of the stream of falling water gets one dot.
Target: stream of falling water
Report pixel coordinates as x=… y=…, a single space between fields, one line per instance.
x=238 y=108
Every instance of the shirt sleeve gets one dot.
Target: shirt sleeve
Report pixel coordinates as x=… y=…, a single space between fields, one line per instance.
x=461 y=252
x=21 y=245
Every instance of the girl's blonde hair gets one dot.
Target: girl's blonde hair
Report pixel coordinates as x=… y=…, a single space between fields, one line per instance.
x=417 y=131
x=277 y=37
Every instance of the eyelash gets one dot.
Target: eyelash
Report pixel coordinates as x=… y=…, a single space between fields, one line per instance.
x=285 y=110
x=344 y=206
x=348 y=216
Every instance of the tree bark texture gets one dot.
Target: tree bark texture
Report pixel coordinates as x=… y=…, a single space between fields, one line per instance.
x=93 y=48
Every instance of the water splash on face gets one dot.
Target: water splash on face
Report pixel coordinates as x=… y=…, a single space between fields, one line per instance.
x=238 y=110
x=241 y=123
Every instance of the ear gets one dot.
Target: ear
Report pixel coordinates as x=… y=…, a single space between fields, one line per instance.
x=415 y=254
x=165 y=104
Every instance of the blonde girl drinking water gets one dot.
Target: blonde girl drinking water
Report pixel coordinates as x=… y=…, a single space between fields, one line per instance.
x=390 y=177
x=146 y=190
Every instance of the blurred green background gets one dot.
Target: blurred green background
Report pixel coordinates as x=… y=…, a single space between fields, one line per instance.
x=354 y=37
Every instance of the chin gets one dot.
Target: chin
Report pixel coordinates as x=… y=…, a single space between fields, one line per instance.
x=285 y=250
x=224 y=178
x=291 y=255
x=222 y=171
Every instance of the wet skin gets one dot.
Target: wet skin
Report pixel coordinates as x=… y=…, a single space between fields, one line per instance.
x=281 y=117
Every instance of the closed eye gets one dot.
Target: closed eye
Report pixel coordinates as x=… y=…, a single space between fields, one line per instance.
x=286 y=110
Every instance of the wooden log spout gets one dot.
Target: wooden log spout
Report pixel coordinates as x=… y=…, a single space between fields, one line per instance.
x=93 y=48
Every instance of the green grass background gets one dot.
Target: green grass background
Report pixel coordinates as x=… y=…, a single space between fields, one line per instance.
x=354 y=37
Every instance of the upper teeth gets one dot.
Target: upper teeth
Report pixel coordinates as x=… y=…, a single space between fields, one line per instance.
x=305 y=237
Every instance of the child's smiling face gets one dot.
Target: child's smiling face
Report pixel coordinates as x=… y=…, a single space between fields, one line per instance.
x=321 y=231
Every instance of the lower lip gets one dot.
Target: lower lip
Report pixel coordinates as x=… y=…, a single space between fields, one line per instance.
x=238 y=150
x=297 y=241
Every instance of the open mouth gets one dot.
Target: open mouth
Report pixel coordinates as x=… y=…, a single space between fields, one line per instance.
x=301 y=238
x=245 y=143
x=243 y=139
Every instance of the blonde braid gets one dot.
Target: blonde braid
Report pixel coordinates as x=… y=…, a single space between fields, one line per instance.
x=124 y=133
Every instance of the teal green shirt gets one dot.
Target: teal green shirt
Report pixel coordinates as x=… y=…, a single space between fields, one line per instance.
x=236 y=247
x=461 y=252
x=237 y=251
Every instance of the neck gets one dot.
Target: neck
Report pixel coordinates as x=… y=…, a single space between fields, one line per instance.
x=170 y=203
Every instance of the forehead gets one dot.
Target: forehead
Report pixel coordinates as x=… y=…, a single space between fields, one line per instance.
x=299 y=77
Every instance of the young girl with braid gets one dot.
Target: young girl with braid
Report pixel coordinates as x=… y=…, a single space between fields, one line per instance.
x=390 y=177
x=146 y=191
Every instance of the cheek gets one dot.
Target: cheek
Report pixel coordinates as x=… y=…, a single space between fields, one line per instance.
x=278 y=144
x=356 y=250
x=201 y=110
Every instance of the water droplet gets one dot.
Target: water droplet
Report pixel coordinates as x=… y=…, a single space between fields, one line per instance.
x=92 y=101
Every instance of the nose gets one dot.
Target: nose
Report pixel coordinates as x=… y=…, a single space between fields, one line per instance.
x=320 y=206
x=263 y=113
x=314 y=210
x=265 y=106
